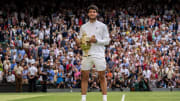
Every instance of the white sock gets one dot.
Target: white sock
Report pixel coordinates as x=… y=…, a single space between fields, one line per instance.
x=83 y=97
x=104 y=97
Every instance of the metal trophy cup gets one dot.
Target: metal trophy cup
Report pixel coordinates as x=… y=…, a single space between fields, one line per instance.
x=85 y=44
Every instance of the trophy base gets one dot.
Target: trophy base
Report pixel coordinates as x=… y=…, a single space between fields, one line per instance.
x=85 y=53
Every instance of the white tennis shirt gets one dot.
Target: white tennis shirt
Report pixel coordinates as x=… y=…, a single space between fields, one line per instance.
x=101 y=33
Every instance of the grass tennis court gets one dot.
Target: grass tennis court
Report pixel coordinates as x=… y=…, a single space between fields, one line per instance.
x=92 y=96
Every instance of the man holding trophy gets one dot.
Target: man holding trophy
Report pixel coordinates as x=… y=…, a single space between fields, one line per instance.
x=94 y=36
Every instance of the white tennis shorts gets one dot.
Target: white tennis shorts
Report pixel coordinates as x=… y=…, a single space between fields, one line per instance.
x=88 y=62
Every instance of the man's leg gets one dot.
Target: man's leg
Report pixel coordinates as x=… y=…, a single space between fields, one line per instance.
x=84 y=83
x=30 y=85
x=20 y=84
x=34 y=84
x=17 y=84
x=103 y=84
x=100 y=64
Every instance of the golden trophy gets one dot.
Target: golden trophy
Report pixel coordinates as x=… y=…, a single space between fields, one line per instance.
x=85 y=44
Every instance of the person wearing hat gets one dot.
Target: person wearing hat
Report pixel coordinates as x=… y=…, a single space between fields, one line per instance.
x=99 y=37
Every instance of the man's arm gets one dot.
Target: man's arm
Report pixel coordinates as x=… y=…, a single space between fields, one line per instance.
x=106 y=38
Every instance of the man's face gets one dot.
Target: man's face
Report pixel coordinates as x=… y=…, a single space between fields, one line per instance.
x=92 y=14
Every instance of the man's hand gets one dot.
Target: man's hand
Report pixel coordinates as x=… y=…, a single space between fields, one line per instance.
x=93 y=39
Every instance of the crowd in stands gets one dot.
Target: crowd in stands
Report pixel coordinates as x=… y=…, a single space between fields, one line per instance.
x=144 y=51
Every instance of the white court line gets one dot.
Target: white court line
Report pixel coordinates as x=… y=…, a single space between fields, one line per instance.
x=123 y=97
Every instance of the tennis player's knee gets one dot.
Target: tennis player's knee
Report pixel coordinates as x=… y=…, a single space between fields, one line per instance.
x=85 y=75
x=101 y=76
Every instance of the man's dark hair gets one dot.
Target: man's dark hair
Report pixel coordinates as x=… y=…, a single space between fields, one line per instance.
x=92 y=7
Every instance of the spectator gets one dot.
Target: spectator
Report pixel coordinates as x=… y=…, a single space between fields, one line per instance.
x=147 y=73
x=50 y=75
x=109 y=78
x=10 y=77
x=18 y=74
x=7 y=66
x=13 y=64
x=25 y=75
x=77 y=78
x=22 y=52
x=32 y=74
x=43 y=72
x=60 y=76
x=45 y=53
x=1 y=72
